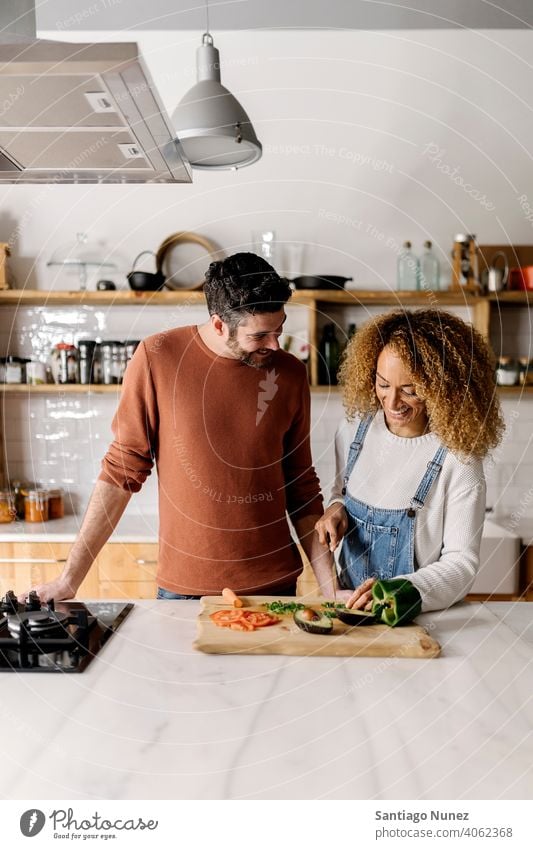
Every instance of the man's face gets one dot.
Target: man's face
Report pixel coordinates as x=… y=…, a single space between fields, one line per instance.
x=256 y=338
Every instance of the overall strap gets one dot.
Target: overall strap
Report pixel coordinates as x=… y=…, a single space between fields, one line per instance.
x=433 y=471
x=355 y=448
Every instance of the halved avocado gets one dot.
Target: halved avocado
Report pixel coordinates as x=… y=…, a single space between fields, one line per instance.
x=312 y=622
x=356 y=617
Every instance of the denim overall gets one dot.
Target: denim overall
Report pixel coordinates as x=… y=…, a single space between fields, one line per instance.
x=379 y=543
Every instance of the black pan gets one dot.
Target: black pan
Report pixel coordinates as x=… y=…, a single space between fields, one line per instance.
x=320 y=281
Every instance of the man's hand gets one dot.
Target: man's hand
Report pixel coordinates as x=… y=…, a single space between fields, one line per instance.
x=335 y=523
x=361 y=597
x=58 y=590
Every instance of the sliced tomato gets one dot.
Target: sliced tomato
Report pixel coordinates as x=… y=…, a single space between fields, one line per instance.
x=261 y=620
x=226 y=615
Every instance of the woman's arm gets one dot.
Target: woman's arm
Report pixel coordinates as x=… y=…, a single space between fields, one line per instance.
x=448 y=580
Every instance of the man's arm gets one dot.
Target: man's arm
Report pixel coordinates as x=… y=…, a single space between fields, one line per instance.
x=106 y=506
x=319 y=556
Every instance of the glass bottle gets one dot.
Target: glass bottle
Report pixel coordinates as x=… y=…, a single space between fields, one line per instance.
x=408 y=270
x=329 y=354
x=429 y=268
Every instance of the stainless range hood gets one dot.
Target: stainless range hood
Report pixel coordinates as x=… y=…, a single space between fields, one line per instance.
x=82 y=113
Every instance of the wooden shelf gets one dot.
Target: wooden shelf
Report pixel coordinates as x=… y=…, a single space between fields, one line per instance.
x=388 y=297
x=58 y=389
x=515 y=390
x=520 y=298
x=38 y=297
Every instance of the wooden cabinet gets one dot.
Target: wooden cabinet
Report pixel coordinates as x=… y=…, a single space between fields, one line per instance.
x=120 y=570
x=127 y=570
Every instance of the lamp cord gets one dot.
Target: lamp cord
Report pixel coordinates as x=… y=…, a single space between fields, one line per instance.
x=207 y=16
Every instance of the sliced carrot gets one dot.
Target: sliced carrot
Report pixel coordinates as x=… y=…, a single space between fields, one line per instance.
x=231 y=598
x=242 y=625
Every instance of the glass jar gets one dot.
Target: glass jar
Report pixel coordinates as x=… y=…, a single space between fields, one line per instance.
x=56 y=504
x=131 y=346
x=525 y=371
x=36 y=505
x=507 y=372
x=35 y=372
x=7 y=507
x=65 y=363
x=86 y=348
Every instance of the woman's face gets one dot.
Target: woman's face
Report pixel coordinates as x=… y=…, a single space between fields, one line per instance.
x=404 y=412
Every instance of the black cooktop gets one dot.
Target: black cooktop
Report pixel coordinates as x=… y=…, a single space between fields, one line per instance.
x=62 y=637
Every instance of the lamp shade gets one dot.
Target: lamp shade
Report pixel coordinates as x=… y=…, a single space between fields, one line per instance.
x=212 y=126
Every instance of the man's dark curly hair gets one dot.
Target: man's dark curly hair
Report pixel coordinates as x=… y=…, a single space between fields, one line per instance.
x=241 y=285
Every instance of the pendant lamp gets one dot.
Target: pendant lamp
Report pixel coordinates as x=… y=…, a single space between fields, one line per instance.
x=213 y=128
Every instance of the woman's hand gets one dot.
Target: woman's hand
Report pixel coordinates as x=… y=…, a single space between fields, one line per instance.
x=361 y=597
x=335 y=523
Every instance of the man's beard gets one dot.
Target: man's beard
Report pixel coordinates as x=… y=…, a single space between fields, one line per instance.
x=246 y=357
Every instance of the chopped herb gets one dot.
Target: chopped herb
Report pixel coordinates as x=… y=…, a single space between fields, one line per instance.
x=329 y=608
x=283 y=606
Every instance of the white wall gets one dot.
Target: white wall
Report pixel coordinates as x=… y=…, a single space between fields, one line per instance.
x=346 y=120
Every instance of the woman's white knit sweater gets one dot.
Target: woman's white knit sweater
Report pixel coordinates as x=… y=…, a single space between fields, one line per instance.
x=449 y=526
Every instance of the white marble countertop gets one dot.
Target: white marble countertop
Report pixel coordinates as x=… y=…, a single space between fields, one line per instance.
x=153 y=719
x=132 y=528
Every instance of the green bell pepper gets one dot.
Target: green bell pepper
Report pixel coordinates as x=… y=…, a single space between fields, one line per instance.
x=395 y=602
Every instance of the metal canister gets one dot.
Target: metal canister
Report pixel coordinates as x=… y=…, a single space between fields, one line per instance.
x=129 y=348
x=14 y=370
x=87 y=348
x=110 y=356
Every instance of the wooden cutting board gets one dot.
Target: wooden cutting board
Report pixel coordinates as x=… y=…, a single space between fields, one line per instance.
x=286 y=638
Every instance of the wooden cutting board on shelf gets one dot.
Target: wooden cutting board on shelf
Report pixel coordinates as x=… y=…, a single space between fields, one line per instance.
x=286 y=638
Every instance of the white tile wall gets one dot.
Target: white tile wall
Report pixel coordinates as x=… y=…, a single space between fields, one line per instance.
x=61 y=439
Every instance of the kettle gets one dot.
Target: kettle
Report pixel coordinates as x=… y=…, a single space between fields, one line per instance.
x=145 y=281
x=495 y=279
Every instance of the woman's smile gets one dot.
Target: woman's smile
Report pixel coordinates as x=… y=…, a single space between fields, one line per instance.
x=405 y=413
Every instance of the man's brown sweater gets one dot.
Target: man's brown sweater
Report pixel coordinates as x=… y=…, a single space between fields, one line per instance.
x=231 y=444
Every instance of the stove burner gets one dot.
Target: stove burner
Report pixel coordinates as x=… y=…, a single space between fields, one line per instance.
x=39 y=638
x=39 y=623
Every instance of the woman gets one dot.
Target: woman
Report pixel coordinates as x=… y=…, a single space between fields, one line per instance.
x=409 y=495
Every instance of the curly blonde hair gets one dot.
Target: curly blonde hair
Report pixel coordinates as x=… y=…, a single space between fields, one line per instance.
x=452 y=369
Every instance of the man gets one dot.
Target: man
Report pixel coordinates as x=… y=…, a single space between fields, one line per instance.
x=225 y=415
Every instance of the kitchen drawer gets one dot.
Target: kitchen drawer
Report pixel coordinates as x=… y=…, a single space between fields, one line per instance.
x=25 y=564
x=128 y=562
